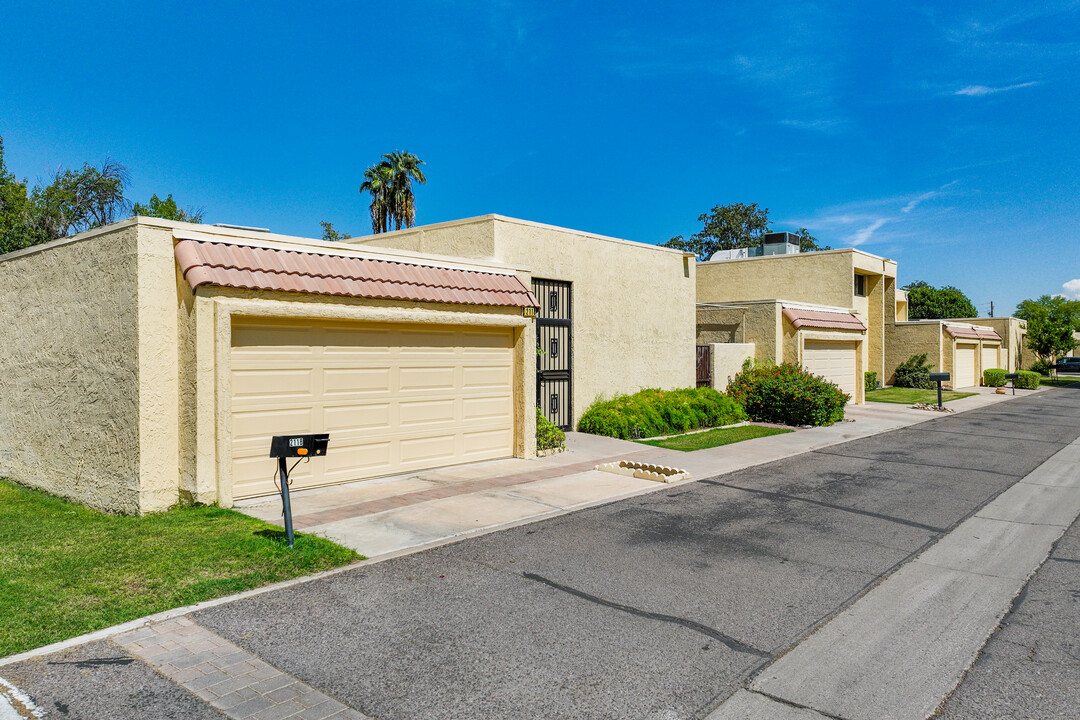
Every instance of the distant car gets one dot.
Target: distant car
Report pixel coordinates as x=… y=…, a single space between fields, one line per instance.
x=1068 y=364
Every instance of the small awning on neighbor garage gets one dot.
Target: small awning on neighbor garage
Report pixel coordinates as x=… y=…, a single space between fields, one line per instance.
x=828 y=320
x=395 y=396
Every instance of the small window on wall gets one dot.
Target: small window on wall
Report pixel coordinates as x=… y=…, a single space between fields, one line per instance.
x=860 y=285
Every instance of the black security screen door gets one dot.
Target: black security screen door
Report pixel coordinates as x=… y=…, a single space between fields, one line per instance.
x=553 y=337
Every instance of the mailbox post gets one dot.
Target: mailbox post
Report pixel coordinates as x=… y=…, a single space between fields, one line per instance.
x=297 y=446
x=939 y=378
x=1012 y=377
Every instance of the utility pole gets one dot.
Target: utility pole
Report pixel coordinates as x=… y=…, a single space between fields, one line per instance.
x=991 y=308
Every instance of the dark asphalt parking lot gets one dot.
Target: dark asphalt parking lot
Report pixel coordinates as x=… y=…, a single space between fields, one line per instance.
x=658 y=607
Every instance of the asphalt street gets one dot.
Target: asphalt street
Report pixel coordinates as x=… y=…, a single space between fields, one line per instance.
x=660 y=606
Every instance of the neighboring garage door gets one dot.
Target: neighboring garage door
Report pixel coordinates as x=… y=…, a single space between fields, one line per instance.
x=990 y=358
x=964 y=366
x=835 y=361
x=394 y=398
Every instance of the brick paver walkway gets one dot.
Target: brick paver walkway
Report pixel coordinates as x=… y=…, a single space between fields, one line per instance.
x=228 y=677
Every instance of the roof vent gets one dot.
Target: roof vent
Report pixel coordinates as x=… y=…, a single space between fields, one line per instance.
x=227 y=226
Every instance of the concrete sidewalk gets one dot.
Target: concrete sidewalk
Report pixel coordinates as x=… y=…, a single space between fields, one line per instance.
x=389 y=516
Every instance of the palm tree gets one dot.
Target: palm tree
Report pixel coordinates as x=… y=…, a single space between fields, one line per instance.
x=390 y=185
x=378 y=180
x=404 y=167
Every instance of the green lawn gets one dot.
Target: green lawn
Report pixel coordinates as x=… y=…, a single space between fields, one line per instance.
x=912 y=396
x=1059 y=381
x=715 y=437
x=66 y=569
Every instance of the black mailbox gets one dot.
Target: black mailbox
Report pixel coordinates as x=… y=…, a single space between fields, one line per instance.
x=294 y=446
x=283 y=446
x=939 y=377
x=1012 y=376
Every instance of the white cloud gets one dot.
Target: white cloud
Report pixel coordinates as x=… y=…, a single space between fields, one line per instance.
x=980 y=90
x=1072 y=289
x=867 y=232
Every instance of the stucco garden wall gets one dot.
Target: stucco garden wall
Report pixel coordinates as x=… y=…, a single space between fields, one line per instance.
x=69 y=373
x=727 y=362
x=905 y=339
x=633 y=306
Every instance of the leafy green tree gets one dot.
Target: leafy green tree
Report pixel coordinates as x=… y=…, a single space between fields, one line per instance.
x=1051 y=320
x=926 y=302
x=167 y=209
x=74 y=201
x=17 y=227
x=78 y=200
x=738 y=225
x=330 y=234
x=390 y=184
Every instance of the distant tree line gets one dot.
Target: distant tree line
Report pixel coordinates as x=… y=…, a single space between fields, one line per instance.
x=73 y=201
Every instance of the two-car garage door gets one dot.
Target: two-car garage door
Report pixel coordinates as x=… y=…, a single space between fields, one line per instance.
x=835 y=361
x=394 y=398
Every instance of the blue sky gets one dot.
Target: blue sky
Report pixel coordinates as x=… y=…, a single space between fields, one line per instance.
x=943 y=135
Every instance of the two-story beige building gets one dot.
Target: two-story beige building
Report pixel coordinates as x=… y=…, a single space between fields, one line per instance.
x=825 y=310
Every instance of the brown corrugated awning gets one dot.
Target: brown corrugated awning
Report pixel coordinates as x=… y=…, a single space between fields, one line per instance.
x=959 y=331
x=823 y=319
x=260 y=268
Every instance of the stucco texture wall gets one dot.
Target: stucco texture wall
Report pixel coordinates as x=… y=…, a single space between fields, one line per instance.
x=69 y=411
x=727 y=362
x=823 y=278
x=909 y=338
x=633 y=307
x=633 y=304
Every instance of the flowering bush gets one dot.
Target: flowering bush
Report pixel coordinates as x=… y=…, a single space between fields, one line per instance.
x=660 y=412
x=787 y=394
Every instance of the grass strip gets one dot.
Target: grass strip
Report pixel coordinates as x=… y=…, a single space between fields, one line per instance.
x=715 y=437
x=66 y=569
x=913 y=396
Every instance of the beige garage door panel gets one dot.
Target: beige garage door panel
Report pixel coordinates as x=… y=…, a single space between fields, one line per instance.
x=964 y=366
x=393 y=398
x=990 y=357
x=835 y=361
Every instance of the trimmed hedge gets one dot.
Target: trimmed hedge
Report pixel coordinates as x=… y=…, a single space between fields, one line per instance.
x=659 y=412
x=994 y=377
x=870 y=381
x=787 y=394
x=1027 y=380
x=548 y=434
x=914 y=373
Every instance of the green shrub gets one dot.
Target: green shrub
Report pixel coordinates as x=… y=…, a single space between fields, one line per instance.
x=994 y=377
x=548 y=434
x=1027 y=380
x=914 y=373
x=788 y=394
x=870 y=380
x=660 y=412
x=1042 y=367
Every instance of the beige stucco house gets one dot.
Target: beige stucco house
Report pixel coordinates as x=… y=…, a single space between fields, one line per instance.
x=615 y=316
x=824 y=310
x=149 y=360
x=962 y=347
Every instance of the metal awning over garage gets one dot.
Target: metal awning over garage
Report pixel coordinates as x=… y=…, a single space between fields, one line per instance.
x=799 y=317
x=971 y=332
x=321 y=273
